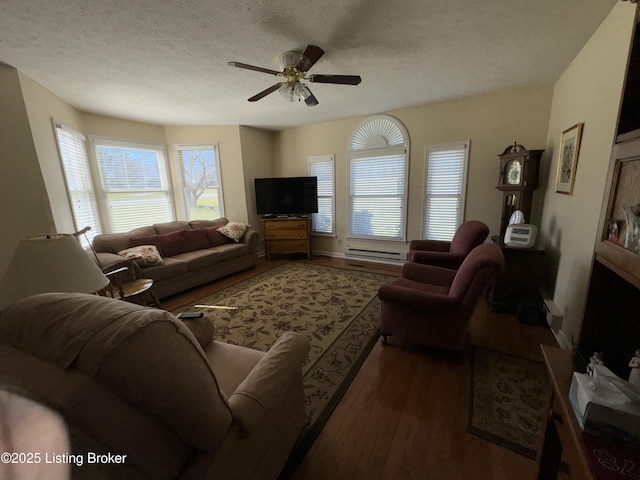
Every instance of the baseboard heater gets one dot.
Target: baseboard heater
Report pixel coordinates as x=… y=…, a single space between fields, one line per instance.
x=359 y=252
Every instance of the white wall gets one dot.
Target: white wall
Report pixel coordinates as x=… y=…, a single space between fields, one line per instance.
x=588 y=91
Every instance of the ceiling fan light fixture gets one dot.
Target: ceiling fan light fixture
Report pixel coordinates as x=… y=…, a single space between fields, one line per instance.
x=287 y=91
x=301 y=91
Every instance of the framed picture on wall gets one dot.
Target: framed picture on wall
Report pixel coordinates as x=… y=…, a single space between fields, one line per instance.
x=568 y=158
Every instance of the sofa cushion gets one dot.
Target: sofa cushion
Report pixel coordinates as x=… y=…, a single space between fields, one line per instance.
x=168 y=227
x=114 y=242
x=197 y=239
x=218 y=222
x=145 y=356
x=200 y=259
x=234 y=230
x=82 y=401
x=215 y=237
x=144 y=255
x=171 y=267
x=232 y=250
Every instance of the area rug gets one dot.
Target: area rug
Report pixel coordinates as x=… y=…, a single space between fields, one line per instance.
x=507 y=400
x=336 y=309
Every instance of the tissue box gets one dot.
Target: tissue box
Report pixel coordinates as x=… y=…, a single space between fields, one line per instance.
x=606 y=407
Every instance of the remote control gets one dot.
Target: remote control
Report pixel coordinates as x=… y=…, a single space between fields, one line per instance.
x=190 y=315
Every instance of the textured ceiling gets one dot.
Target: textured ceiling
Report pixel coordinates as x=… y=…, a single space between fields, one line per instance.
x=165 y=61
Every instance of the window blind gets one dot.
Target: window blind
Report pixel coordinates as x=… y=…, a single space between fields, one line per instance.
x=75 y=164
x=199 y=170
x=445 y=185
x=323 y=169
x=377 y=196
x=135 y=185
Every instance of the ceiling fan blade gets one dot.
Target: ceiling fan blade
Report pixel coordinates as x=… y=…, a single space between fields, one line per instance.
x=311 y=100
x=339 y=79
x=253 y=67
x=266 y=92
x=309 y=58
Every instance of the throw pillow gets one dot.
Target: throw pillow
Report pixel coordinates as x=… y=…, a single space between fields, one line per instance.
x=144 y=255
x=202 y=328
x=197 y=239
x=234 y=230
x=215 y=237
x=146 y=240
x=171 y=244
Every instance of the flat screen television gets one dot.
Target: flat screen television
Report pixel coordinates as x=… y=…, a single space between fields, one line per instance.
x=287 y=195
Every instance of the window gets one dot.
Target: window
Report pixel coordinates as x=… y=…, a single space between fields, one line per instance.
x=75 y=164
x=134 y=182
x=323 y=168
x=199 y=170
x=445 y=189
x=378 y=164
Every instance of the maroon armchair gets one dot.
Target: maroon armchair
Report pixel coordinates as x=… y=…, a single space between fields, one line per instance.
x=449 y=254
x=433 y=305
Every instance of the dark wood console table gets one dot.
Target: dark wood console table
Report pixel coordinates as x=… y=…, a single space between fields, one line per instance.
x=520 y=280
x=588 y=457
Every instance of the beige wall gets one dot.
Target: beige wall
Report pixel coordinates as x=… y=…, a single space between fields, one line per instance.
x=43 y=108
x=257 y=161
x=492 y=122
x=25 y=205
x=588 y=91
x=228 y=140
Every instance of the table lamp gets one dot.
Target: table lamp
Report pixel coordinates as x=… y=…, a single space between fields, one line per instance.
x=49 y=263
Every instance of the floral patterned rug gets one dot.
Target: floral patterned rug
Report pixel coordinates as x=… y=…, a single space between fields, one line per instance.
x=507 y=402
x=336 y=309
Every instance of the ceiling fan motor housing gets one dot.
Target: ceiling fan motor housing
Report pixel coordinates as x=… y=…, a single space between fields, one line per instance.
x=288 y=59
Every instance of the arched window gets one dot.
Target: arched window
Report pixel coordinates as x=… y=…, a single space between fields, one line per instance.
x=378 y=168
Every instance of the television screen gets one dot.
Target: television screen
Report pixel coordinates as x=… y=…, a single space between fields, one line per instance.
x=286 y=195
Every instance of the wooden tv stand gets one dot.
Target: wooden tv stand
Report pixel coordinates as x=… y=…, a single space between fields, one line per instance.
x=287 y=235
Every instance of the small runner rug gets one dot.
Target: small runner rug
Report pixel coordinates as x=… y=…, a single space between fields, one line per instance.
x=336 y=309
x=507 y=400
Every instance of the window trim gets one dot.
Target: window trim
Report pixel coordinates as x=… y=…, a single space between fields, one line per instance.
x=463 y=144
x=97 y=140
x=326 y=159
x=198 y=146
x=378 y=136
x=96 y=228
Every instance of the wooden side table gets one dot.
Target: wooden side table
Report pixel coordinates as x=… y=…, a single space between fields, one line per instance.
x=287 y=235
x=520 y=280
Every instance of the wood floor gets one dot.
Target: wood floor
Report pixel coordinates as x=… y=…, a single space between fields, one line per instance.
x=404 y=415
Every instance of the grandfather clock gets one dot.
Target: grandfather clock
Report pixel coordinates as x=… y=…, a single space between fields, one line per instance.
x=518 y=179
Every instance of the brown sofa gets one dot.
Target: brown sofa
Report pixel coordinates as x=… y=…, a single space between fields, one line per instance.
x=193 y=253
x=153 y=392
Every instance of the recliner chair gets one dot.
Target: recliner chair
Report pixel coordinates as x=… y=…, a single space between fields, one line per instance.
x=449 y=254
x=433 y=305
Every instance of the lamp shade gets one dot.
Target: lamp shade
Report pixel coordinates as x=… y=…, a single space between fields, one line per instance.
x=49 y=263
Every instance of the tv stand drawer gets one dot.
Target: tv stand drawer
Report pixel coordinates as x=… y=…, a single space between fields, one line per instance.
x=278 y=234
x=286 y=223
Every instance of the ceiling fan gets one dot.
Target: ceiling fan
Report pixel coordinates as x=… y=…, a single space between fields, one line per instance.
x=294 y=67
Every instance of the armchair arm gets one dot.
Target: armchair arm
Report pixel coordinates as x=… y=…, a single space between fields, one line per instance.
x=431 y=245
x=441 y=259
x=417 y=299
x=270 y=382
x=430 y=274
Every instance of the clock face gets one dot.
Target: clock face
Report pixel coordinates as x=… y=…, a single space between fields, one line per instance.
x=514 y=172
